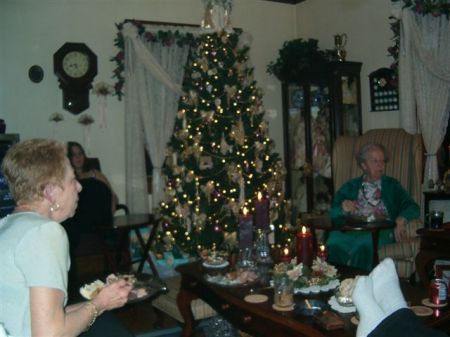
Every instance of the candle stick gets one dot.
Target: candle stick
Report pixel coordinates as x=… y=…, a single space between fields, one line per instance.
x=245 y=229
x=285 y=255
x=262 y=212
x=304 y=247
x=322 y=252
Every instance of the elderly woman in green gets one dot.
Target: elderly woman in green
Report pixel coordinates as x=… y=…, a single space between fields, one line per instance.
x=372 y=194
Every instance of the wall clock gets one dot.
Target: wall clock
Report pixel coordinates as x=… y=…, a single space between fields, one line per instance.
x=383 y=90
x=75 y=65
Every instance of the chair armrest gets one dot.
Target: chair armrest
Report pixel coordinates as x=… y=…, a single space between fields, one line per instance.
x=122 y=207
x=413 y=226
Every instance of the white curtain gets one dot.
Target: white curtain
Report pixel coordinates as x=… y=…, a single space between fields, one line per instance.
x=153 y=78
x=424 y=75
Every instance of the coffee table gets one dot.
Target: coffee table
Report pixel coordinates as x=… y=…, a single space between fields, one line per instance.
x=261 y=319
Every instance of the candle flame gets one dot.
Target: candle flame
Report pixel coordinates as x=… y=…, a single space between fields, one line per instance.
x=303 y=229
x=322 y=248
x=286 y=251
x=245 y=211
x=259 y=195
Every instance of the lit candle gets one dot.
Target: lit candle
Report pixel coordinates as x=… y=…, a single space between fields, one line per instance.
x=285 y=255
x=304 y=247
x=322 y=252
x=262 y=212
x=245 y=229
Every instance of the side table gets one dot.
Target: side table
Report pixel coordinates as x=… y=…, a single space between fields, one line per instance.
x=433 y=195
x=434 y=244
x=345 y=225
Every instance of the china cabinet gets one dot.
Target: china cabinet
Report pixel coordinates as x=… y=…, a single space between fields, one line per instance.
x=322 y=104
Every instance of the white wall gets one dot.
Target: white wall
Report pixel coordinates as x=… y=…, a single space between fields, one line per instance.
x=32 y=30
x=367 y=25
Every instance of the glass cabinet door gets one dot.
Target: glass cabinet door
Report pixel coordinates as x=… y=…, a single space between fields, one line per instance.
x=320 y=148
x=295 y=148
x=316 y=109
x=351 y=114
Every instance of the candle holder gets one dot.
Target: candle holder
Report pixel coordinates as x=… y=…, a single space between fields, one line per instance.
x=283 y=287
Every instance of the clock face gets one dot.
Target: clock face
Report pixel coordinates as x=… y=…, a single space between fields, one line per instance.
x=75 y=64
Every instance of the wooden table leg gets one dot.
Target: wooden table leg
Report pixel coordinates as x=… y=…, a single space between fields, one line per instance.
x=184 y=299
x=375 y=235
x=423 y=259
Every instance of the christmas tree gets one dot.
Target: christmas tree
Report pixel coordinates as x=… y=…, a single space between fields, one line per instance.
x=220 y=156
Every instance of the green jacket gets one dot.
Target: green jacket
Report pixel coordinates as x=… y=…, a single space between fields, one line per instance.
x=397 y=201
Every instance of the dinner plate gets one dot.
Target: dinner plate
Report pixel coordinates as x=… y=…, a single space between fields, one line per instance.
x=144 y=286
x=221 y=264
x=333 y=284
x=225 y=281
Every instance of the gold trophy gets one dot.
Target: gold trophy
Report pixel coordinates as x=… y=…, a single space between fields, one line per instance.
x=340 y=40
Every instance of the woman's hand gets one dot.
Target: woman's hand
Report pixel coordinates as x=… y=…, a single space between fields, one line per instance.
x=400 y=232
x=349 y=206
x=112 y=296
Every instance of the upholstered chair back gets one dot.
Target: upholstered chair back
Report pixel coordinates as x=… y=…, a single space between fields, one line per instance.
x=405 y=153
x=405 y=163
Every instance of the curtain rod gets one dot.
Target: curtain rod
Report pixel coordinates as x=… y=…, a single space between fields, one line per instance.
x=162 y=23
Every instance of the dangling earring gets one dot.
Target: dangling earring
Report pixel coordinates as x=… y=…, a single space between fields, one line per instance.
x=54 y=207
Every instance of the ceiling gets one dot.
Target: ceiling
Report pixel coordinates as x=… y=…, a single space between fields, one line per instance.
x=287 y=1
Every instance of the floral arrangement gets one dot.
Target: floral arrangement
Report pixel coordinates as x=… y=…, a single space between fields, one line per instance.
x=86 y=119
x=299 y=56
x=56 y=117
x=320 y=273
x=422 y=7
x=167 y=38
x=103 y=89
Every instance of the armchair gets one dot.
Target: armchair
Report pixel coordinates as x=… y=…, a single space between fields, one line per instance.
x=405 y=164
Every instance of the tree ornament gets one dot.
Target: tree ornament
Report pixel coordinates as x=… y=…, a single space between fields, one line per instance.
x=205 y=163
x=224 y=146
x=193 y=97
x=230 y=91
x=238 y=133
x=241 y=192
x=217 y=15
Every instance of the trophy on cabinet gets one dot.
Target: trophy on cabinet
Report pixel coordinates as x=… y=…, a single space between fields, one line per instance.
x=340 y=40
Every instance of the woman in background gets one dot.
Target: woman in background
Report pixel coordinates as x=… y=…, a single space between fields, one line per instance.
x=77 y=157
x=371 y=195
x=34 y=249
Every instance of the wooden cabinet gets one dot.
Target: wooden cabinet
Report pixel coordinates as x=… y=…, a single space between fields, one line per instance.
x=321 y=105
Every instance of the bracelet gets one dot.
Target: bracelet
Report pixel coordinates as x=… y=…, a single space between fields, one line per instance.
x=93 y=311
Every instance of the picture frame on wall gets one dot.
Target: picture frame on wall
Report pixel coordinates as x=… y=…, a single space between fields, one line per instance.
x=383 y=90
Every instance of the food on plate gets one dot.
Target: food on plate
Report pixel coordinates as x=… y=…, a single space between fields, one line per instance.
x=138 y=293
x=233 y=278
x=345 y=291
x=89 y=291
x=130 y=278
